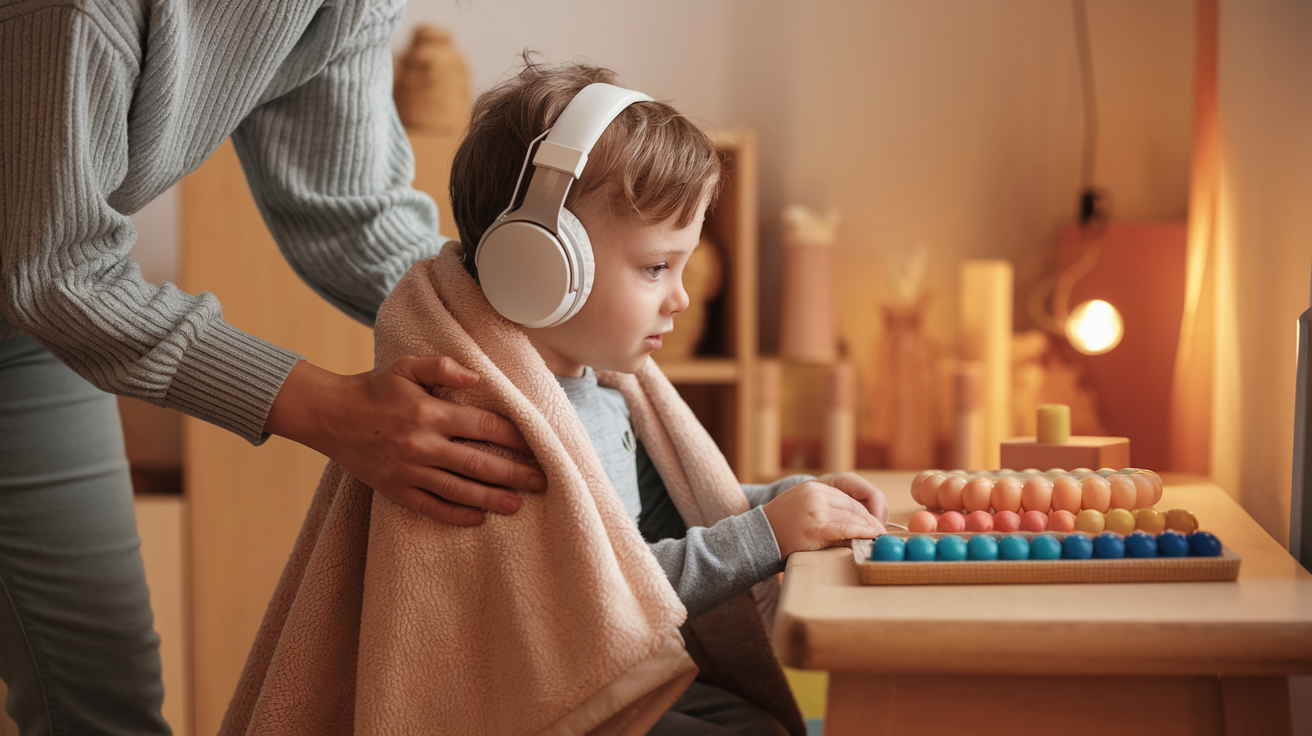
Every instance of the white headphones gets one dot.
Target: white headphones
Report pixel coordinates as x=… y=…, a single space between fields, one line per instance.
x=535 y=264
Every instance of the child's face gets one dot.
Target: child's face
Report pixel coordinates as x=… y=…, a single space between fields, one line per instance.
x=636 y=291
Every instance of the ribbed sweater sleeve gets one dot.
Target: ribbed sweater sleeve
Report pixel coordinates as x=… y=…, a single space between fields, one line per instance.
x=68 y=279
x=83 y=117
x=331 y=169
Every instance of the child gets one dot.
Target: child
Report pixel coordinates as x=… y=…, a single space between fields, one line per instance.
x=642 y=198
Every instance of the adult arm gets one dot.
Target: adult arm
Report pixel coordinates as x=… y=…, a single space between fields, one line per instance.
x=68 y=281
x=330 y=167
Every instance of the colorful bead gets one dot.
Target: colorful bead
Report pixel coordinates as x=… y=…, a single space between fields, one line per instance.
x=983 y=548
x=1013 y=548
x=888 y=548
x=921 y=549
x=1045 y=547
x=951 y=549
x=1109 y=546
x=1171 y=543
x=1204 y=544
x=1141 y=544
x=1077 y=547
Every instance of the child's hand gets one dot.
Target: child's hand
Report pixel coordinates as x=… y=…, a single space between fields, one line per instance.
x=862 y=490
x=812 y=516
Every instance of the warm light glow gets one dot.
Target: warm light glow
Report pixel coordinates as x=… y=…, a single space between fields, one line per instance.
x=1095 y=327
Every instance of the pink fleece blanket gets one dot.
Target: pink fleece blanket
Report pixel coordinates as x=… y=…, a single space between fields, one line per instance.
x=556 y=619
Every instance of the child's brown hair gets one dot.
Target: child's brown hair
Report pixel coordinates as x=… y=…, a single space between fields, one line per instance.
x=651 y=159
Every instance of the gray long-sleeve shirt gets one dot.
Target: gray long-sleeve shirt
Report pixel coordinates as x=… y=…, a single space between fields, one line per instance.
x=706 y=565
x=105 y=105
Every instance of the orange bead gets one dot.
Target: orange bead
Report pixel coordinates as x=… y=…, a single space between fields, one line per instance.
x=977 y=494
x=1066 y=495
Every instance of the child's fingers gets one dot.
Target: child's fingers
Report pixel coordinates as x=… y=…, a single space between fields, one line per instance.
x=851 y=505
x=851 y=524
x=852 y=484
x=866 y=493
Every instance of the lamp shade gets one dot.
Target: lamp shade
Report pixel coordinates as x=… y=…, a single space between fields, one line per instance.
x=1095 y=327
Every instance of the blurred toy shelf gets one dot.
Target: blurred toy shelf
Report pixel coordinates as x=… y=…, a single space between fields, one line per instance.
x=711 y=357
x=703 y=370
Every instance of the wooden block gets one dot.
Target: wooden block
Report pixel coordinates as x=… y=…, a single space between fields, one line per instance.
x=1080 y=451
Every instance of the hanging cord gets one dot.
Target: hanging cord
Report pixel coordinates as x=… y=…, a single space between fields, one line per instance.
x=1092 y=206
x=1088 y=197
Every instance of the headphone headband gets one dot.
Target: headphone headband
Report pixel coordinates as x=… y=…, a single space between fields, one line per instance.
x=580 y=124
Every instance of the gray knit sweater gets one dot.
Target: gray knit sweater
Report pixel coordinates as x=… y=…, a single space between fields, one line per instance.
x=105 y=105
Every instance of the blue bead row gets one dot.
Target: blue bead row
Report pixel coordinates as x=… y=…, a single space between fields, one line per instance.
x=1077 y=546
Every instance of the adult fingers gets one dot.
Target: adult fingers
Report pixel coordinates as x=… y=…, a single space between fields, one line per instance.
x=472 y=423
x=437 y=370
x=435 y=508
x=482 y=466
x=465 y=492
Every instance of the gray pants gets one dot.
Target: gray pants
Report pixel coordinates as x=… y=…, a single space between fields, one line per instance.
x=77 y=646
x=704 y=710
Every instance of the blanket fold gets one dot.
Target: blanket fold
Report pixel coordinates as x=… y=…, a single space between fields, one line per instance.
x=554 y=620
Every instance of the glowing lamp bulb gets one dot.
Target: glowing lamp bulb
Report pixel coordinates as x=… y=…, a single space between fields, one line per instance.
x=1095 y=327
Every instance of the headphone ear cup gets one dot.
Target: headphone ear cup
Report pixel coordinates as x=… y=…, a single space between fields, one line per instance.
x=575 y=235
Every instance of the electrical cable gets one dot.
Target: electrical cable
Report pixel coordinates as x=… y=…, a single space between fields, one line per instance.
x=1092 y=212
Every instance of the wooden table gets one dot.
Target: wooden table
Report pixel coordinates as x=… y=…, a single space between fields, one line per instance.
x=1167 y=658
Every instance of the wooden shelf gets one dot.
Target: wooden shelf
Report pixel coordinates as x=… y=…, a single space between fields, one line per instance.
x=702 y=370
x=720 y=382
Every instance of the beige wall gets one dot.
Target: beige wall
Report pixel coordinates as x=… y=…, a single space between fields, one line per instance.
x=1265 y=247
x=956 y=127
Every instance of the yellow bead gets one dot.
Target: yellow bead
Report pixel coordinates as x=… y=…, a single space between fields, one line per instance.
x=1090 y=521
x=1150 y=520
x=1120 y=521
x=1181 y=520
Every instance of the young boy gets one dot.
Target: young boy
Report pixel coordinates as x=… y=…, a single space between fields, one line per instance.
x=642 y=198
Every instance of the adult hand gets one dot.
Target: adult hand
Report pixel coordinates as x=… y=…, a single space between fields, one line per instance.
x=862 y=490
x=387 y=430
x=813 y=515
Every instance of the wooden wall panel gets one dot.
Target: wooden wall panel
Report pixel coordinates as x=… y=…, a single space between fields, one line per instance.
x=161 y=524
x=247 y=503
